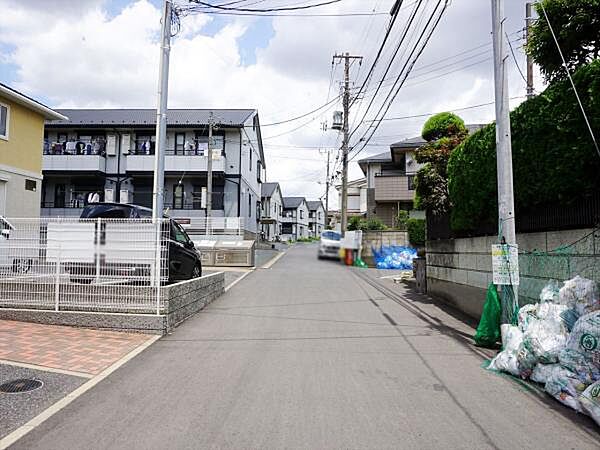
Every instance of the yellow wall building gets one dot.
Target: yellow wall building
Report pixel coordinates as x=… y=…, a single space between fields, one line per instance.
x=21 y=139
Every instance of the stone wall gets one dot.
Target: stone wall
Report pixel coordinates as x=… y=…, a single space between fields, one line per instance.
x=460 y=270
x=377 y=239
x=179 y=301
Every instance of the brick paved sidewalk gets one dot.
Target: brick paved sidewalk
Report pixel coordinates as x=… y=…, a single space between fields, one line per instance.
x=65 y=348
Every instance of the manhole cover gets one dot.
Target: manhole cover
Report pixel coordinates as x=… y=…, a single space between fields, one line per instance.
x=20 y=385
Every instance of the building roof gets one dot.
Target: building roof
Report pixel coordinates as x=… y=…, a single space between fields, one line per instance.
x=313 y=205
x=380 y=157
x=292 y=202
x=29 y=103
x=268 y=189
x=144 y=117
x=417 y=141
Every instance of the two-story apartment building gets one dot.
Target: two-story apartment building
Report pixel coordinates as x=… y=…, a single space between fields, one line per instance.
x=111 y=152
x=294 y=222
x=272 y=211
x=316 y=218
x=21 y=135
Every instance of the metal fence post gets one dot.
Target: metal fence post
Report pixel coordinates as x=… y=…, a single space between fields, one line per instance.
x=97 y=249
x=57 y=279
x=157 y=263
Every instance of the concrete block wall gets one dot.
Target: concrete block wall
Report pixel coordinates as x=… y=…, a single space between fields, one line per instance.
x=377 y=239
x=460 y=270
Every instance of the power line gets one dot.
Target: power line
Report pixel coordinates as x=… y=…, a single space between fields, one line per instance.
x=357 y=14
x=512 y=52
x=292 y=119
x=265 y=10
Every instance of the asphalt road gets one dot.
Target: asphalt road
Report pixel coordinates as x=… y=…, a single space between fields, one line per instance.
x=309 y=355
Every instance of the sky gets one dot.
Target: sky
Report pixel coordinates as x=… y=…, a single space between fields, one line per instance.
x=104 y=53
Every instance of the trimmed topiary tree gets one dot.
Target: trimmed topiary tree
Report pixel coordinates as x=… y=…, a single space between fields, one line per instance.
x=443 y=132
x=443 y=125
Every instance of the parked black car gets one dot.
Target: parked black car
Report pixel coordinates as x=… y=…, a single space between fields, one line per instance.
x=184 y=260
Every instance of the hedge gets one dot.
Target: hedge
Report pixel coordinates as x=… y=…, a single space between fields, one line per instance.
x=416 y=231
x=554 y=159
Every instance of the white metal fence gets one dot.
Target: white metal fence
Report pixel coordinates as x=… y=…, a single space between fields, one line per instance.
x=201 y=227
x=69 y=264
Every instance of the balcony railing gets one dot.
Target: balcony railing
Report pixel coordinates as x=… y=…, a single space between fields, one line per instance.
x=81 y=147
x=175 y=161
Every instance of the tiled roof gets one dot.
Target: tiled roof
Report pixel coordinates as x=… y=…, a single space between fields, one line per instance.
x=314 y=205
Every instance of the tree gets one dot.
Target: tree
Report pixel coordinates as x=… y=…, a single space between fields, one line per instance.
x=576 y=24
x=444 y=132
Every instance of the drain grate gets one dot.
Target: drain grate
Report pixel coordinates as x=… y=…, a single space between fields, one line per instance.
x=20 y=385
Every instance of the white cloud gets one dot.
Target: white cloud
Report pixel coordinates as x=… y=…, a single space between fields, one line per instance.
x=102 y=60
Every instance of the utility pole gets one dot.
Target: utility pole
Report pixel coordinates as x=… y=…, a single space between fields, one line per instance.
x=528 y=21
x=209 y=175
x=506 y=213
x=346 y=103
x=161 y=114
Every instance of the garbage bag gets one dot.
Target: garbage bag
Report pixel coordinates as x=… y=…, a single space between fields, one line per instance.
x=565 y=387
x=394 y=257
x=527 y=314
x=585 y=337
x=569 y=317
x=551 y=311
x=542 y=372
x=580 y=294
x=507 y=360
x=590 y=401
x=550 y=292
x=577 y=363
x=546 y=338
x=488 y=330
x=526 y=360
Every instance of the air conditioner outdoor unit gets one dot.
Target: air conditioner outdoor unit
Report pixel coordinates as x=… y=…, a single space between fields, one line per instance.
x=124 y=196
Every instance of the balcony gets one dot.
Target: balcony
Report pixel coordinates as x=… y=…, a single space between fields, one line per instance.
x=394 y=187
x=71 y=163
x=186 y=162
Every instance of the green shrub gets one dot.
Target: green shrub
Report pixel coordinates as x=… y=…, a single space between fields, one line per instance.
x=354 y=223
x=554 y=159
x=373 y=224
x=443 y=125
x=401 y=219
x=416 y=231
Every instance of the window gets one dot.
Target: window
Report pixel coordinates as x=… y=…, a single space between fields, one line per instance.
x=30 y=185
x=286 y=228
x=4 y=111
x=179 y=235
x=250 y=153
x=145 y=143
x=179 y=143
x=178 y=196
x=249 y=204
x=301 y=213
x=411 y=182
x=258 y=169
x=217 y=145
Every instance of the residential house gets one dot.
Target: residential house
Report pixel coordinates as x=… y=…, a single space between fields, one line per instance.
x=357 y=197
x=391 y=179
x=316 y=218
x=21 y=135
x=271 y=211
x=111 y=152
x=294 y=222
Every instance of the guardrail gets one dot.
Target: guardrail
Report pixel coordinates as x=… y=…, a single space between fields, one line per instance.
x=100 y=265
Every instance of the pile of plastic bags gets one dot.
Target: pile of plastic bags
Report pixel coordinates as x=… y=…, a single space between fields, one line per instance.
x=394 y=257
x=557 y=344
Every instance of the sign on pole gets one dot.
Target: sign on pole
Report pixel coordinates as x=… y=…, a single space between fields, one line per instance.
x=505 y=264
